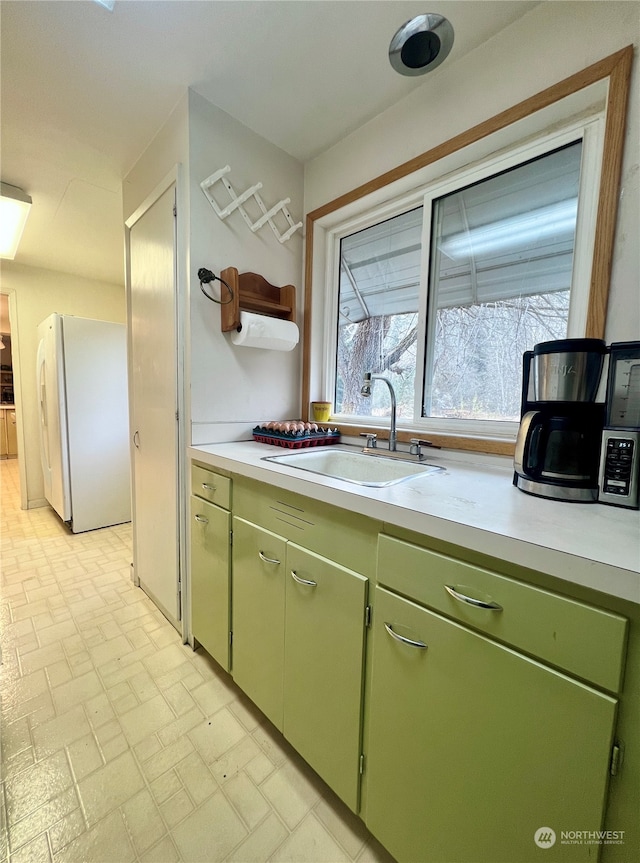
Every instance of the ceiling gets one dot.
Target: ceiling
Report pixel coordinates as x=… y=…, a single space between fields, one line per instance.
x=84 y=90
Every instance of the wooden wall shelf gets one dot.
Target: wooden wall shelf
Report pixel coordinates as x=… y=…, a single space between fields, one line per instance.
x=253 y=293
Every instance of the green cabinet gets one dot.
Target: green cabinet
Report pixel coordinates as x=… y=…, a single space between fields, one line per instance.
x=210 y=566
x=258 y=616
x=473 y=747
x=479 y=706
x=324 y=667
x=298 y=649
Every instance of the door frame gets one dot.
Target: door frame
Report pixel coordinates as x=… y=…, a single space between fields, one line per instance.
x=174 y=176
x=17 y=393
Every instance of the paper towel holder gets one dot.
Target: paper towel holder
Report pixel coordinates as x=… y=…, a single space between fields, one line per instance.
x=253 y=293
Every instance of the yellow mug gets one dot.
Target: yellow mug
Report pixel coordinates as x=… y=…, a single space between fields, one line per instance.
x=321 y=411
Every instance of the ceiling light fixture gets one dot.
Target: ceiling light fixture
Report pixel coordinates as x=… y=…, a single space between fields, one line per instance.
x=108 y=4
x=421 y=44
x=14 y=210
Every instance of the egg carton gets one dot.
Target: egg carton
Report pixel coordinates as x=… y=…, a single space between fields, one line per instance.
x=293 y=440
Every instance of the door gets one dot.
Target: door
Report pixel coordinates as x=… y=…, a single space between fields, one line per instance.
x=97 y=418
x=210 y=573
x=324 y=667
x=473 y=747
x=54 y=450
x=154 y=403
x=257 y=659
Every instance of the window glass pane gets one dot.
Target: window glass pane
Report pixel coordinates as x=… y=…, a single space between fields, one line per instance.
x=378 y=315
x=500 y=279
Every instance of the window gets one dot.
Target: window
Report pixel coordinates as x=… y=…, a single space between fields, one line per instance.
x=500 y=281
x=378 y=314
x=406 y=271
x=497 y=262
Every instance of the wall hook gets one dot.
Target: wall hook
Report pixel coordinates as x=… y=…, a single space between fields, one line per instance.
x=238 y=200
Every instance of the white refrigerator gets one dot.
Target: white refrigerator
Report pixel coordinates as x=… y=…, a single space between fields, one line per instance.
x=84 y=420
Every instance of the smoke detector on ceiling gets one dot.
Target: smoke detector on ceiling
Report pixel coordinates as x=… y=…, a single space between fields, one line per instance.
x=421 y=44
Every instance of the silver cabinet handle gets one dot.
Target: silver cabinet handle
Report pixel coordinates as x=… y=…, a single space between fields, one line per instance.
x=478 y=603
x=420 y=644
x=267 y=559
x=303 y=580
x=201 y=518
x=207 y=487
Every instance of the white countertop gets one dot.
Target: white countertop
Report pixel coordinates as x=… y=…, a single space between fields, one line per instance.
x=472 y=504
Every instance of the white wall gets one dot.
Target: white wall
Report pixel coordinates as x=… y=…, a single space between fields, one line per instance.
x=168 y=148
x=229 y=389
x=38 y=293
x=232 y=388
x=551 y=42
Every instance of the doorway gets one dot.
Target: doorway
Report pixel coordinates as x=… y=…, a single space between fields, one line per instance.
x=10 y=428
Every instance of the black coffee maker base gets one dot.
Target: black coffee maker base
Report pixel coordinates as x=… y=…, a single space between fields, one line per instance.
x=556 y=492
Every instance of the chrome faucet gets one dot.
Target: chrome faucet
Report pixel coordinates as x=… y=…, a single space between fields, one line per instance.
x=366 y=392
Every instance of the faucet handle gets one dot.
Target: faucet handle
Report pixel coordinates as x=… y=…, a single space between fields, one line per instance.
x=417 y=444
x=372 y=439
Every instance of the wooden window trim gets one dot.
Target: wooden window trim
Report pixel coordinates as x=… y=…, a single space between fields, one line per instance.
x=616 y=67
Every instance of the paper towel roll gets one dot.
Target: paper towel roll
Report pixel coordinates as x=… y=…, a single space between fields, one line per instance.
x=260 y=331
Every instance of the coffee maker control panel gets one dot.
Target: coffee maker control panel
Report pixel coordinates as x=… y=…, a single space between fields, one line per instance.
x=618 y=471
x=619 y=479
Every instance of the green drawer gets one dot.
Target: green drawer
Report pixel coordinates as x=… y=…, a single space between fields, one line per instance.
x=586 y=641
x=348 y=538
x=211 y=486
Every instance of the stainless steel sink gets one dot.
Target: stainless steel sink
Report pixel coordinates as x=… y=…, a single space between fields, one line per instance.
x=355 y=466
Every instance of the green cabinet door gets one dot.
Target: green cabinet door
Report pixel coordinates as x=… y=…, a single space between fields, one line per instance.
x=473 y=747
x=210 y=575
x=258 y=616
x=323 y=667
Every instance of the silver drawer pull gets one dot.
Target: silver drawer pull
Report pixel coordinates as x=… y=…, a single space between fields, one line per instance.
x=303 y=580
x=267 y=559
x=478 y=603
x=207 y=487
x=202 y=519
x=420 y=644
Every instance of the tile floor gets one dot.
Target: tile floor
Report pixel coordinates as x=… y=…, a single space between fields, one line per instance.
x=119 y=743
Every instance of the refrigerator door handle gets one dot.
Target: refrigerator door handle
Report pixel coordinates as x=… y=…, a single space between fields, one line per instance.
x=42 y=402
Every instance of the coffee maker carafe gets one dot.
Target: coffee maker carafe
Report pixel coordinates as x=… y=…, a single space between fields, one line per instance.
x=558 y=445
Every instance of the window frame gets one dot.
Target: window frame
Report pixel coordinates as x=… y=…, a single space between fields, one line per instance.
x=393 y=192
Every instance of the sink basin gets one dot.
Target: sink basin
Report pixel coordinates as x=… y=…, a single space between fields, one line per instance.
x=370 y=470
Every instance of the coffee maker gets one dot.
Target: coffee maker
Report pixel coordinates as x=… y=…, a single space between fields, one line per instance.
x=558 y=445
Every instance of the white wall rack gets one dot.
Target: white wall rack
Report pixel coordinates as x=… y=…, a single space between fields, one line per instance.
x=238 y=200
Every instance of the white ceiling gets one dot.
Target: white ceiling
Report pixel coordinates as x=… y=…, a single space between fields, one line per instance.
x=84 y=91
